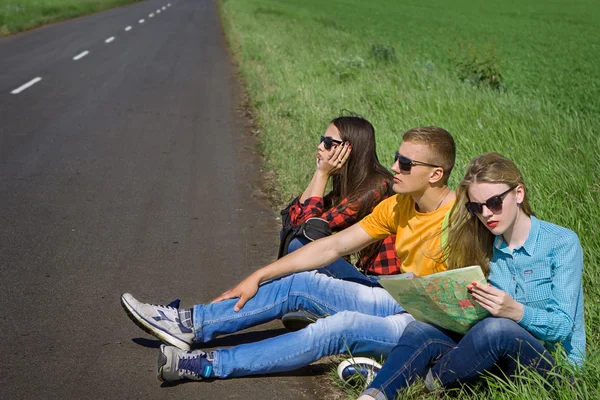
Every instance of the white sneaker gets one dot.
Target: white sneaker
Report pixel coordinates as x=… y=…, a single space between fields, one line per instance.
x=358 y=370
x=160 y=321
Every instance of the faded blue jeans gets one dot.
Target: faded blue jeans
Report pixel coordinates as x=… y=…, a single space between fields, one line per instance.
x=340 y=268
x=492 y=345
x=358 y=319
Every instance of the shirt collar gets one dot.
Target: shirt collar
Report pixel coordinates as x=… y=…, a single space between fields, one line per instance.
x=530 y=243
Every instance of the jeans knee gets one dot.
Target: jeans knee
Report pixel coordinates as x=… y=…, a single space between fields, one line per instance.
x=340 y=323
x=295 y=245
x=332 y=329
x=493 y=326
x=497 y=331
x=415 y=331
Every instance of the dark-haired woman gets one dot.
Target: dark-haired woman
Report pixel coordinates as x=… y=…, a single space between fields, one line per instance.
x=534 y=294
x=347 y=155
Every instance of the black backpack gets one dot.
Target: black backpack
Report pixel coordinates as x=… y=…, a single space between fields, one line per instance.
x=312 y=229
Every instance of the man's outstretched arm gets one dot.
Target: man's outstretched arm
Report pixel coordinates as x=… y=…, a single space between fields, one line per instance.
x=312 y=256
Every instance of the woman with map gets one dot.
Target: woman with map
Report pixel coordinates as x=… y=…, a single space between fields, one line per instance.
x=534 y=294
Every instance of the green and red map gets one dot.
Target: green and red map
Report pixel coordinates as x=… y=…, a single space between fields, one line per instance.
x=440 y=299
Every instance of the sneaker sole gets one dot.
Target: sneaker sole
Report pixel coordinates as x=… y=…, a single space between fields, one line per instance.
x=162 y=361
x=155 y=331
x=296 y=323
x=296 y=320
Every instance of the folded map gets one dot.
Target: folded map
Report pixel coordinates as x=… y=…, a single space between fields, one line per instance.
x=440 y=299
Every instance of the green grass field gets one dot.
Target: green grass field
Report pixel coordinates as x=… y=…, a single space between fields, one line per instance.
x=395 y=63
x=20 y=15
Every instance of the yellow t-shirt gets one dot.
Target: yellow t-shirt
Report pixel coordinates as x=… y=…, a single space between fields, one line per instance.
x=418 y=239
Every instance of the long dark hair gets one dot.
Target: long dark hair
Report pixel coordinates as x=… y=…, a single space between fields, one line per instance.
x=362 y=177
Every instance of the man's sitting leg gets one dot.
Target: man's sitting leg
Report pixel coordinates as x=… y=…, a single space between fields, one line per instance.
x=344 y=332
x=311 y=291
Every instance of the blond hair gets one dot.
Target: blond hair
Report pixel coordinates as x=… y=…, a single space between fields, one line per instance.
x=441 y=144
x=469 y=241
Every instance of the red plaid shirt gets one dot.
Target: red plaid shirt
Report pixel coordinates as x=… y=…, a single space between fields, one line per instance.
x=384 y=262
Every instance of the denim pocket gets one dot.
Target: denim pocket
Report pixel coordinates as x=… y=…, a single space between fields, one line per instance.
x=538 y=284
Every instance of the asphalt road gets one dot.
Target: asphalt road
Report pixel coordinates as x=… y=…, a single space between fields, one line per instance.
x=129 y=168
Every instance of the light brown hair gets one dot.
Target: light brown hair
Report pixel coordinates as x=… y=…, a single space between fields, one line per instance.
x=441 y=144
x=469 y=241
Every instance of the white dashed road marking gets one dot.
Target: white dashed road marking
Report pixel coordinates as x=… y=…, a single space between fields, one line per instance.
x=25 y=86
x=81 y=55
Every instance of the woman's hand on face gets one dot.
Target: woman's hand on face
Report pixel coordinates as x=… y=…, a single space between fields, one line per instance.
x=336 y=161
x=245 y=290
x=496 y=301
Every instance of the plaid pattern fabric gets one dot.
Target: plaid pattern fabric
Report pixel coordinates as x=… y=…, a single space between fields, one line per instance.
x=340 y=217
x=545 y=276
x=385 y=262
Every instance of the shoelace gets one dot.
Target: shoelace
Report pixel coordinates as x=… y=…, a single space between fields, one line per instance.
x=191 y=364
x=174 y=305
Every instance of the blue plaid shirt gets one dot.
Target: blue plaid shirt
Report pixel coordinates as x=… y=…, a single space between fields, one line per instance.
x=545 y=276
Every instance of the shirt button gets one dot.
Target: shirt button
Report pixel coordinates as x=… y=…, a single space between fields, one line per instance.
x=514 y=278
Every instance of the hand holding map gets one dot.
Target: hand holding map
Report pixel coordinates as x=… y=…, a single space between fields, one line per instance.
x=440 y=299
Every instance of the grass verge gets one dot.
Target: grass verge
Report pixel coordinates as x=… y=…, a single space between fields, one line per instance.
x=20 y=15
x=520 y=78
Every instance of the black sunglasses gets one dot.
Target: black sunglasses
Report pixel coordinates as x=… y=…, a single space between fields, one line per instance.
x=328 y=141
x=406 y=163
x=494 y=204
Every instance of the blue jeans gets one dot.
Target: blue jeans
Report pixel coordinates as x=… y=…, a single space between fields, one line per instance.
x=492 y=345
x=358 y=319
x=340 y=268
